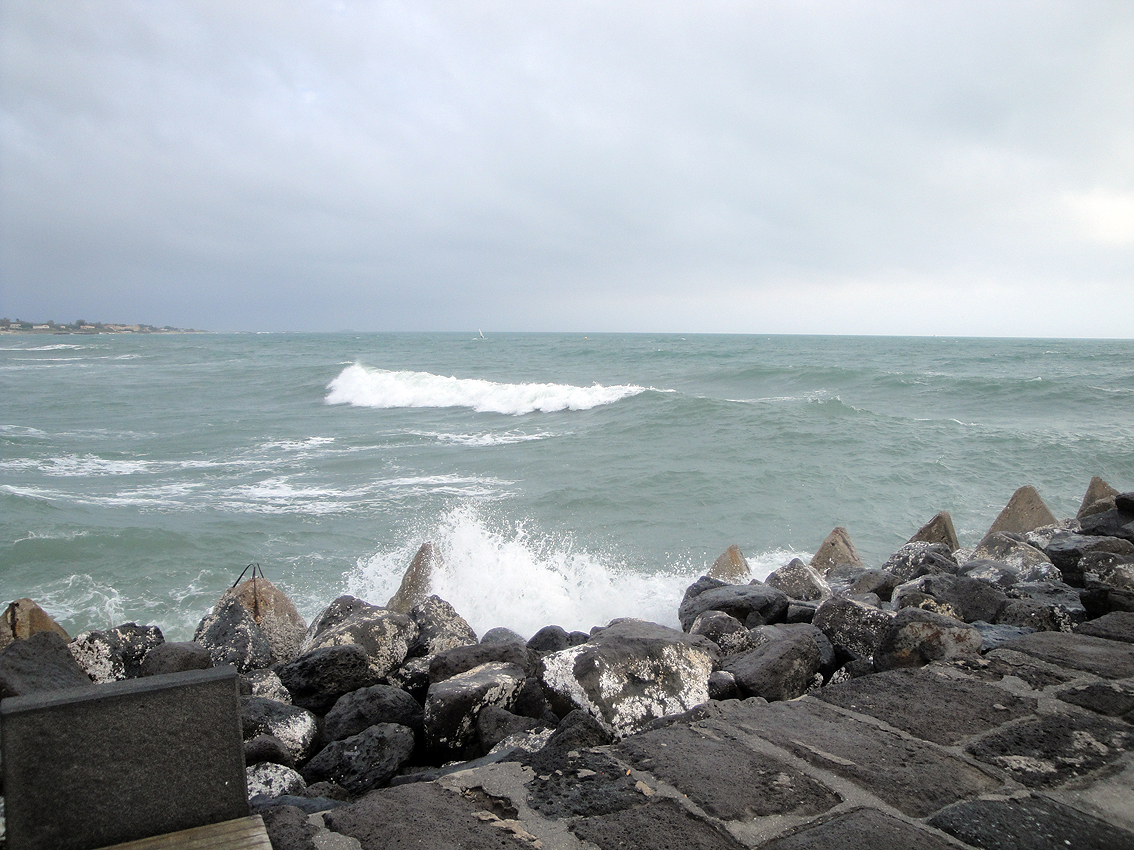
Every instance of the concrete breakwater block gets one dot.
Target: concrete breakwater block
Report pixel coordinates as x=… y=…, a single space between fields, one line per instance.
x=92 y=767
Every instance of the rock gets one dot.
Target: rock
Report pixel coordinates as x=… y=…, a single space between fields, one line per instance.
x=38 y=663
x=1024 y=512
x=369 y=707
x=267 y=748
x=722 y=686
x=134 y=644
x=994 y=636
x=780 y=670
x=318 y=678
x=1114 y=570
x=24 y=618
x=938 y=530
x=1112 y=523
x=268 y=779
x=752 y=604
x=836 y=550
x=289 y=829
x=291 y=725
x=801 y=612
x=579 y=730
x=1104 y=698
x=1098 y=498
x=460 y=659
x=266 y=683
x=731 y=566
x=501 y=635
x=1067 y=551
x=549 y=639
x=1044 y=606
x=799 y=581
x=915 y=637
x=363 y=761
x=853 y=627
x=879 y=582
x=417 y=580
x=99 y=655
x=176 y=657
x=725 y=631
x=962 y=597
x=1010 y=549
x=274 y=613
x=231 y=636
x=919 y=559
x=453 y=705
x=1118 y=625
x=1006 y=575
x=1030 y=822
x=630 y=673
x=332 y=615
x=495 y=724
x=439 y=627
x=385 y=635
x=412 y=677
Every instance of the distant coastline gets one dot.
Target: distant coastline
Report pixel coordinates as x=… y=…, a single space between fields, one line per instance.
x=80 y=326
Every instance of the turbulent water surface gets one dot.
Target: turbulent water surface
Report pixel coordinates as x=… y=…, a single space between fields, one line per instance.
x=565 y=478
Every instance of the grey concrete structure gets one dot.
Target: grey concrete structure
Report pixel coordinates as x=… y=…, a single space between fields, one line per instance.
x=91 y=767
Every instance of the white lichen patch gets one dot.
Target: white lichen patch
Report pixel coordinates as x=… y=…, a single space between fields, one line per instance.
x=98 y=658
x=273 y=780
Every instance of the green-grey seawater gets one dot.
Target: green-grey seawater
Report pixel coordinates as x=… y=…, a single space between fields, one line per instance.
x=566 y=478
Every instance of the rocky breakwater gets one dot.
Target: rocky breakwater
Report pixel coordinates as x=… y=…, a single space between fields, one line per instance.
x=949 y=697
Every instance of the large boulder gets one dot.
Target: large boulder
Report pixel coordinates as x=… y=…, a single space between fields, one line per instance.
x=135 y=643
x=852 y=625
x=295 y=727
x=799 y=581
x=1046 y=606
x=452 y=662
x=964 y=598
x=725 y=631
x=385 y=635
x=1015 y=551
x=630 y=673
x=24 y=618
x=318 y=678
x=731 y=566
x=1113 y=523
x=38 y=663
x=836 y=550
x=452 y=706
x=274 y=613
x=268 y=779
x=370 y=706
x=364 y=761
x=915 y=637
x=938 y=530
x=779 y=670
x=1067 y=551
x=100 y=656
x=753 y=604
x=231 y=636
x=439 y=627
x=919 y=559
x=176 y=657
x=1024 y=512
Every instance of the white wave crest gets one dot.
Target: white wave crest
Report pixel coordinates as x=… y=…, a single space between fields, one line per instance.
x=362 y=387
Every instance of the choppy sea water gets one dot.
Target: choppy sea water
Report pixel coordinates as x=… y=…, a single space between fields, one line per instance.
x=566 y=478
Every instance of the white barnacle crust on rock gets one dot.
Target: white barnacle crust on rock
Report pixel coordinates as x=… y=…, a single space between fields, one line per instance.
x=630 y=673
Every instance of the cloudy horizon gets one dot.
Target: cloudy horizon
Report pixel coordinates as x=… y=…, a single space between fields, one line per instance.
x=957 y=168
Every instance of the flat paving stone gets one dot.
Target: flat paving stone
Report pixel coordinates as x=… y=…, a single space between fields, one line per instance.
x=1117 y=625
x=1048 y=751
x=416 y=816
x=1031 y=823
x=725 y=778
x=1106 y=658
x=915 y=777
x=663 y=825
x=1101 y=697
x=580 y=784
x=928 y=705
x=861 y=829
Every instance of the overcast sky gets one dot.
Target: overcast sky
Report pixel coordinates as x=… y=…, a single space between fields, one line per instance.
x=919 y=167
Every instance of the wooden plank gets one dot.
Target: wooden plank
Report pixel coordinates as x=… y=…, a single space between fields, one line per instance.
x=240 y=834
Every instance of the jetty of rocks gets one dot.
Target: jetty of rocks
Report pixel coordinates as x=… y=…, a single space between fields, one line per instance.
x=948 y=698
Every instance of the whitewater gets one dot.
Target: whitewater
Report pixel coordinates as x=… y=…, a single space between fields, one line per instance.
x=564 y=478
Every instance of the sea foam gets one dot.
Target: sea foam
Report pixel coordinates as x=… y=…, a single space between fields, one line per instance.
x=362 y=386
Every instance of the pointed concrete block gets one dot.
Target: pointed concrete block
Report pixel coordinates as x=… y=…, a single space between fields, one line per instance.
x=836 y=550
x=1098 y=498
x=731 y=566
x=24 y=618
x=938 y=530
x=1024 y=512
x=417 y=580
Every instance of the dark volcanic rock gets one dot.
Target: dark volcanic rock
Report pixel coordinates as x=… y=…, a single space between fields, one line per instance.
x=928 y=705
x=799 y=581
x=501 y=635
x=752 y=604
x=370 y=706
x=919 y=559
x=852 y=626
x=1067 y=550
x=1031 y=823
x=461 y=659
x=629 y=673
x=176 y=657
x=318 y=678
x=1106 y=658
x=915 y=637
x=578 y=731
x=725 y=631
x=231 y=636
x=439 y=627
x=293 y=726
x=363 y=761
x=879 y=582
x=1102 y=698
x=861 y=829
x=41 y=662
x=385 y=635
x=288 y=828
x=267 y=748
x=1043 y=605
x=100 y=656
x=780 y=670
x=1051 y=750
x=134 y=643
x=494 y=724
x=453 y=706
x=1118 y=625
x=1113 y=523
x=724 y=777
x=549 y=639
x=579 y=783
x=658 y=825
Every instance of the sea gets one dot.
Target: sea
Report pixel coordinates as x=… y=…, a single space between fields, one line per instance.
x=564 y=478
